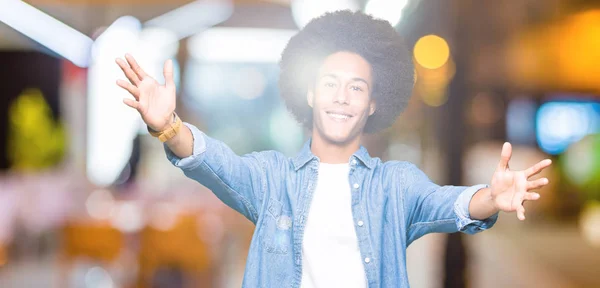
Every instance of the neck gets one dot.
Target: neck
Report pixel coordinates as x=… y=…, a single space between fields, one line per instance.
x=333 y=153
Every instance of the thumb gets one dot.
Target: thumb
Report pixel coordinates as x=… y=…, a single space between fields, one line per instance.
x=168 y=73
x=505 y=156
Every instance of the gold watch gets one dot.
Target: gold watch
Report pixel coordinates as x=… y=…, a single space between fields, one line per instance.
x=168 y=133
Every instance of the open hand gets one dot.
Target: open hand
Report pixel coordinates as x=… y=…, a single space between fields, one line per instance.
x=154 y=102
x=510 y=189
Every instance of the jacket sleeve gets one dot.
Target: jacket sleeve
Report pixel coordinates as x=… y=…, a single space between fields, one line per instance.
x=238 y=181
x=430 y=208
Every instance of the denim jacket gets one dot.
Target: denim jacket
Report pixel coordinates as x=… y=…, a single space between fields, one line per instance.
x=393 y=204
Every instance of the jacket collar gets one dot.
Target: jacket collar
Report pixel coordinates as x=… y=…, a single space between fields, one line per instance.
x=305 y=155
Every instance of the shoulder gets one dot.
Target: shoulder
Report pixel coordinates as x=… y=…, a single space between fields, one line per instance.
x=401 y=173
x=270 y=159
x=398 y=168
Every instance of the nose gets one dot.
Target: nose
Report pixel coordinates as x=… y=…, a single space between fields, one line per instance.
x=341 y=96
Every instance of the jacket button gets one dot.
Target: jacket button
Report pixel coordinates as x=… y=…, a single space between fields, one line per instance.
x=360 y=223
x=355 y=186
x=367 y=260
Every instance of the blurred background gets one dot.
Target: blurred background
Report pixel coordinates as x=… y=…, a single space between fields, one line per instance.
x=88 y=199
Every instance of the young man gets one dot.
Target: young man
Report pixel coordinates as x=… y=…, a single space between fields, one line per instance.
x=332 y=216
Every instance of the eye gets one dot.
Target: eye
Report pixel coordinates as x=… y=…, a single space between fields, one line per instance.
x=356 y=88
x=329 y=85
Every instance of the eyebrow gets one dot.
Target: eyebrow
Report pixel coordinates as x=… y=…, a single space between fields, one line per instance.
x=353 y=79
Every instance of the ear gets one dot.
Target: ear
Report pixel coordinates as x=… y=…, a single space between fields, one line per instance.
x=372 y=107
x=310 y=97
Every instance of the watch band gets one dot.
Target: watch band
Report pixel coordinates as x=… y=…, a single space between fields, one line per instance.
x=170 y=132
x=156 y=133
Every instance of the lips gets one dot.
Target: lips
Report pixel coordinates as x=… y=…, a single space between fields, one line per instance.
x=339 y=115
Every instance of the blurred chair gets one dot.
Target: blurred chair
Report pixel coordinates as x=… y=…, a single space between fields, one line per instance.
x=96 y=241
x=99 y=241
x=168 y=256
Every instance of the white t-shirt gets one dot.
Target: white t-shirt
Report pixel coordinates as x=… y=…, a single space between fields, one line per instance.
x=330 y=253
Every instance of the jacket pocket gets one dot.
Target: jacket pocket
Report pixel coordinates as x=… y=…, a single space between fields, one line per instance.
x=276 y=234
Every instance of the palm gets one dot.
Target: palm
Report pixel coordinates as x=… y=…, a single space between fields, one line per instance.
x=510 y=189
x=153 y=101
x=506 y=186
x=156 y=101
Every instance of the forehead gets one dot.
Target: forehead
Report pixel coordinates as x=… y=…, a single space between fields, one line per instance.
x=346 y=65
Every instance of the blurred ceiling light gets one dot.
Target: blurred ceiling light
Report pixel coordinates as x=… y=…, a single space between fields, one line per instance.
x=242 y=45
x=389 y=10
x=305 y=10
x=193 y=17
x=431 y=51
x=111 y=125
x=163 y=41
x=112 y=40
x=115 y=40
x=48 y=31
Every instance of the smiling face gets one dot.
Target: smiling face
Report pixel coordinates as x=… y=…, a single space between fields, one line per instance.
x=341 y=98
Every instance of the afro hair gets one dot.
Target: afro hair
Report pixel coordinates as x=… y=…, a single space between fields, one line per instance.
x=374 y=40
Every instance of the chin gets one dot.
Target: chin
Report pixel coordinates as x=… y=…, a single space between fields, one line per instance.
x=338 y=138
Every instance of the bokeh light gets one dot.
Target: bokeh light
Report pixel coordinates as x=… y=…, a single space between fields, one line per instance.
x=389 y=10
x=432 y=84
x=305 y=10
x=581 y=163
x=127 y=217
x=560 y=124
x=97 y=277
x=100 y=204
x=589 y=223
x=431 y=51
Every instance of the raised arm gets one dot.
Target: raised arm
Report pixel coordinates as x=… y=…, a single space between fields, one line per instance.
x=236 y=180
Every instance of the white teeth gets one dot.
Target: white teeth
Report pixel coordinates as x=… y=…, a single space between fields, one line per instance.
x=339 y=116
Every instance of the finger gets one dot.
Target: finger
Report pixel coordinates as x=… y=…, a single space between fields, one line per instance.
x=530 y=197
x=521 y=213
x=536 y=184
x=132 y=103
x=133 y=78
x=517 y=201
x=135 y=91
x=168 y=73
x=505 y=156
x=537 y=168
x=136 y=67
